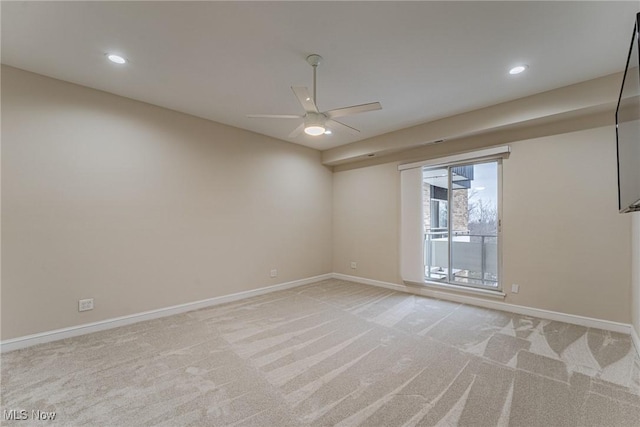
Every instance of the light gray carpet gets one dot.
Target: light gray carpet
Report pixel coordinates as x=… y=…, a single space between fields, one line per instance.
x=332 y=353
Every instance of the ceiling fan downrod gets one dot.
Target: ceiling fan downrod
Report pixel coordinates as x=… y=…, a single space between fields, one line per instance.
x=314 y=61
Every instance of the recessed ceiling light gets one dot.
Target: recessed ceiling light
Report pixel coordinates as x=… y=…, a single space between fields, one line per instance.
x=116 y=58
x=328 y=132
x=518 y=69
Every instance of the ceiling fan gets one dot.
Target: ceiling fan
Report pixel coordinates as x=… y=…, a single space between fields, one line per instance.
x=316 y=122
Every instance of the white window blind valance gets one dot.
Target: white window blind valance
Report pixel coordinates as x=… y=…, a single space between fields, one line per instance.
x=487 y=153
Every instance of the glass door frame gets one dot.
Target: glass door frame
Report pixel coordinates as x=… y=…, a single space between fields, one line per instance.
x=450 y=208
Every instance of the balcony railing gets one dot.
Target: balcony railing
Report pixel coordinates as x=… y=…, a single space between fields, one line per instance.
x=474 y=257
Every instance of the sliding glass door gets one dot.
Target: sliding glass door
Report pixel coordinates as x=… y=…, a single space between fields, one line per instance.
x=461 y=224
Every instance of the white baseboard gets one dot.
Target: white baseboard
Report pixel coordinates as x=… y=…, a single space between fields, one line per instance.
x=87 y=328
x=589 y=322
x=401 y=288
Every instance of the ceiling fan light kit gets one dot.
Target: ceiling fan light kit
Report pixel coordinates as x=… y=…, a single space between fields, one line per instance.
x=317 y=123
x=314 y=130
x=314 y=124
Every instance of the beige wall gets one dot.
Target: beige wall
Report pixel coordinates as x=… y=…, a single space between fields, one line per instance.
x=140 y=207
x=635 y=272
x=564 y=242
x=366 y=223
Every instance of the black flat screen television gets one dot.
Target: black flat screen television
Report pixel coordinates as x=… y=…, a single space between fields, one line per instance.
x=628 y=130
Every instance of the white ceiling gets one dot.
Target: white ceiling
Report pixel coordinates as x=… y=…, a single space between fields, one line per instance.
x=222 y=61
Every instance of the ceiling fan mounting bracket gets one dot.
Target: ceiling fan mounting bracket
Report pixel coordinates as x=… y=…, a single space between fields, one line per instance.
x=314 y=59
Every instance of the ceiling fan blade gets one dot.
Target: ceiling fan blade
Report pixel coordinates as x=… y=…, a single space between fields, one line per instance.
x=305 y=99
x=273 y=116
x=297 y=131
x=336 y=125
x=355 y=109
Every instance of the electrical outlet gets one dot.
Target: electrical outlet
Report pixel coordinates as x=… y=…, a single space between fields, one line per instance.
x=274 y=273
x=85 y=304
x=515 y=288
x=354 y=265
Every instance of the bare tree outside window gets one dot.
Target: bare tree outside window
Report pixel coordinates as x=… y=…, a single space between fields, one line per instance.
x=483 y=215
